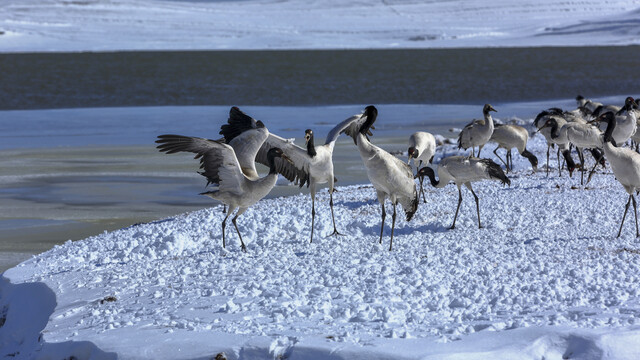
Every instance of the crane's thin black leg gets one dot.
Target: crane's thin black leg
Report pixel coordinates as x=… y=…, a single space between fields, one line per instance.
x=495 y=151
x=625 y=214
x=393 y=225
x=511 y=160
x=548 y=149
x=635 y=211
x=244 y=248
x=479 y=149
x=384 y=215
x=581 y=156
x=594 y=168
x=453 y=226
x=335 y=229
x=477 y=205
x=224 y=224
x=559 y=164
x=313 y=214
x=424 y=198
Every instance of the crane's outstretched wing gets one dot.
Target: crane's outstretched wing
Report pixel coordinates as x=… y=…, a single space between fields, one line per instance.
x=353 y=125
x=245 y=135
x=296 y=171
x=238 y=123
x=217 y=159
x=345 y=126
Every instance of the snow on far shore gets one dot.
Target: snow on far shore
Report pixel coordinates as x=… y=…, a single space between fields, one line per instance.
x=94 y=25
x=544 y=278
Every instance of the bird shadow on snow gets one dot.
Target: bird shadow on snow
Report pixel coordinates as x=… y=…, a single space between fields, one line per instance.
x=25 y=310
x=404 y=229
x=352 y=205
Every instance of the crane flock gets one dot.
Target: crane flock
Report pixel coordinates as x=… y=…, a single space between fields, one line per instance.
x=229 y=162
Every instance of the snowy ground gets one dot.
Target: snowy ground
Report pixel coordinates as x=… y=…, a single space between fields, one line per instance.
x=95 y=25
x=544 y=278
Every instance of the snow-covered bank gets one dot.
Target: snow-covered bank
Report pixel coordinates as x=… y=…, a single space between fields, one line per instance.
x=61 y=25
x=545 y=278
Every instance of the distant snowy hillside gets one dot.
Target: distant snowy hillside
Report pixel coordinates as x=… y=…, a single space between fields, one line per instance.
x=545 y=278
x=99 y=25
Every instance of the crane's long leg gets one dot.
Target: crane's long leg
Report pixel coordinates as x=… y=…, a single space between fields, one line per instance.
x=313 y=208
x=393 y=225
x=548 y=149
x=495 y=151
x=224 y=224
x=421 y=191
x=424 y=198
x=453 y=226
x=477 y=203
x=593 y=169
x=384 y=215
x=599 y=157
x=558 y=160
x=479 y=149
x=244 y=248
x=511 y=160
x=581 y=156
x=335 y=229
x=381 y=198
x=626 y=207
x=635 y=211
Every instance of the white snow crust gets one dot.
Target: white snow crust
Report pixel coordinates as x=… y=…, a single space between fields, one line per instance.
x=544 y=278
x=108 y=25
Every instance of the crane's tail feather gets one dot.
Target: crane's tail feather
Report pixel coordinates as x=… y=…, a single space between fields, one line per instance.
x=413 y=207
x=495 y=172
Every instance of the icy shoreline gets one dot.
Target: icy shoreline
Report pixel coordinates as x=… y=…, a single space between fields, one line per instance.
x=545 y=277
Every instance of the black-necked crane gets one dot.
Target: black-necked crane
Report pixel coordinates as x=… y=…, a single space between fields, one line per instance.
x=603 y=109
x=221 y=167
x=580 y=135
x=538 y=123
x=550 y=128
x=625 y=127
x=478 y=132
x=513 y=136
x=422 y=147
x=391 y=177
x=463 y=170
x=625 y=164
x=313 y=164
x=625 y=118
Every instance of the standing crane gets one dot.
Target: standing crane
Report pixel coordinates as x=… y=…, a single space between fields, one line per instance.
x=221 y=167
x=463 y=170
x=390 y=176
x=422 y=147
x=478 y=132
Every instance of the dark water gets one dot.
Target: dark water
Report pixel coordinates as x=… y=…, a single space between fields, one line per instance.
x=315 y=77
